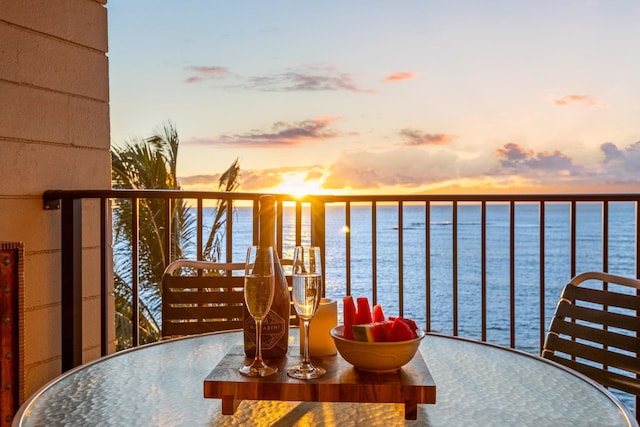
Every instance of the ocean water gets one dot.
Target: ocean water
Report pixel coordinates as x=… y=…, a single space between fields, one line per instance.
x=557 y=264
x=526 y=258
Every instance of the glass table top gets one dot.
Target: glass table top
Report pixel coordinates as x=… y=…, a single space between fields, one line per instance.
x=477 y=384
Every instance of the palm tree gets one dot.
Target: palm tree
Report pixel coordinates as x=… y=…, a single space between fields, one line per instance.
x=151 y=163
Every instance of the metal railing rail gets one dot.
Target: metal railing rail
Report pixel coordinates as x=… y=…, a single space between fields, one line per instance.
x=70 y=204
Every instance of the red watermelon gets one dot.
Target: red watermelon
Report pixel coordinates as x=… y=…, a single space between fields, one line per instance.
x=400 y=331
x=364 y=311
x=372 y=332
x=410 y=322
x=349 y=316
x=378 y=314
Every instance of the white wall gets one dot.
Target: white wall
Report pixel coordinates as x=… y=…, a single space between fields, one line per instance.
x=54 y=134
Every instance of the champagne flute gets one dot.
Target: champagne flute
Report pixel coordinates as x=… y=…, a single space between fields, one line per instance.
x=306 y=292
x=259 y=287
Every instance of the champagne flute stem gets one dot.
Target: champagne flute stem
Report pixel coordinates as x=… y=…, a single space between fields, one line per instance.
x=258 y=340
x=305 y=354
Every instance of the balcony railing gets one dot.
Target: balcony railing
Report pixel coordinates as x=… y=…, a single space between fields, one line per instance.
x=454 y=256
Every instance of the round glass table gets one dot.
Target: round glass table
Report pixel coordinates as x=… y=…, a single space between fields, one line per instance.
x=477 y=384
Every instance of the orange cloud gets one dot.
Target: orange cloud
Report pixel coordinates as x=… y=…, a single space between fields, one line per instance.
x=585 y=100
x=399 y=76
x=281 y=135
x=256 y=179
x=312 y=79
x=509 y=168
x=207 y=73
x=302 y=79
x=414 y=137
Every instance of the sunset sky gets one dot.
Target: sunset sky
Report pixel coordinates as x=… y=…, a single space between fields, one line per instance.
x=364 y=96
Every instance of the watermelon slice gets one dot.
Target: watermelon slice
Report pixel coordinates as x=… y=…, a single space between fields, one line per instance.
x=349 y=316
x=378 y=314
x=372 y=332
x=364 y=311
x=410 y=322
x=400 y=331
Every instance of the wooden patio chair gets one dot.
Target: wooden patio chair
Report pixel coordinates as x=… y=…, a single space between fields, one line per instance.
x=596 y=330
x=209 y=299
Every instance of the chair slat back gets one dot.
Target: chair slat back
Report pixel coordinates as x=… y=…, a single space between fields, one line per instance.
x=210 y=299
x=596 y=331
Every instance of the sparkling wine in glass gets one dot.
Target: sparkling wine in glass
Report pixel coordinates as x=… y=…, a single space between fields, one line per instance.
x=306 y=293
x=259 y=287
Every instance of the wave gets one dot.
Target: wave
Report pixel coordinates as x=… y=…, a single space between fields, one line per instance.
x=420 y=225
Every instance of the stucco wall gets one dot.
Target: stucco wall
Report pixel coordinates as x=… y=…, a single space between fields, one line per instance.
x=54 y=134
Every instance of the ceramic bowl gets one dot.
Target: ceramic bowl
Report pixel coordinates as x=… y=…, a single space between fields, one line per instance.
x=376 y=356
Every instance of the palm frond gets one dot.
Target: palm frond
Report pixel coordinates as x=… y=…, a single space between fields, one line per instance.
x=151 y=163
x=229 y=181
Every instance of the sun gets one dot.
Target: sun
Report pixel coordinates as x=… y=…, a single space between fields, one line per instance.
x=297 y=184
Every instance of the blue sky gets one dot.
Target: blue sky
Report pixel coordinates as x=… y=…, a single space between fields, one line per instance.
x=359 y=96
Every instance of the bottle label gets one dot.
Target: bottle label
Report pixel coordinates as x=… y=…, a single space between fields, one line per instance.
x=272 y=329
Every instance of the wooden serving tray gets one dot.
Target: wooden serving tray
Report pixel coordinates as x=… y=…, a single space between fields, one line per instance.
x=410 y=385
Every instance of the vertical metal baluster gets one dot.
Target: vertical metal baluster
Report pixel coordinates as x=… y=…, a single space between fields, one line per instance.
x=605 y=236
x=483 y=267
x=374 y=250
x=543 y=323
x=229 y=232
x=255 y=216
x=200 y=230
x=279 y=226
x=135 y=260
x=605 y=258
x=400 y=259
x=298 y=223
x=105 y=242
x=427 y=251
x=572 y=236
x=347 y=242
x=637 y=258
x=71 y=282
x=512 y=275
x=168 y=234
x=318 y=230
x=454 y=255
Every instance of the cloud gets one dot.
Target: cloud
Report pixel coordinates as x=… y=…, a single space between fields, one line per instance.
x=411 y=168
x=399 y=76
x=303 y=79
x=255 y=179
x=259 y=180
x=414 y=137
x=249 y=180
x=612 y=153
x=306 y=80
x=583 y=100
x=207 y=73
x=507 y=168
x=514 y=159
x=400 y=167
x=314 y=173
x=281 y=135
x=200 y=180
x=620 y=165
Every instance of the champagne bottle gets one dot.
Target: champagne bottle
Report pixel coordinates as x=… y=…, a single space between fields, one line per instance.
x=275 y=326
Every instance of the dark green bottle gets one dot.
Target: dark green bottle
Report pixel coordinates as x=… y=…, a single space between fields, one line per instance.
x=275 y=327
